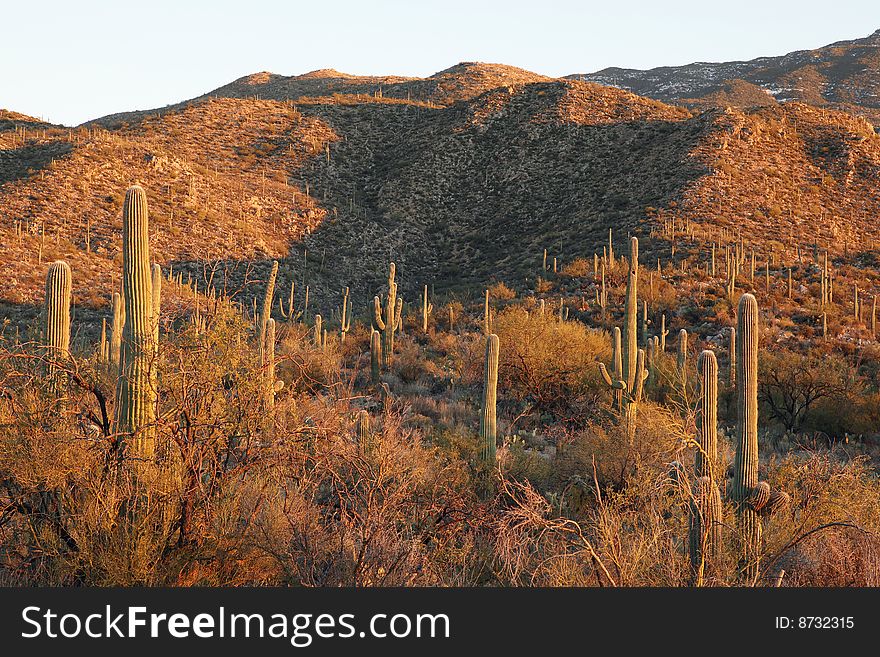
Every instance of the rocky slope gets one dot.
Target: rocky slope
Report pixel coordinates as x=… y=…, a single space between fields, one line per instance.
x=845 y=75
x=458 y=193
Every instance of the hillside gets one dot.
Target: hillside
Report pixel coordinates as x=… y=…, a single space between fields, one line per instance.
x=844 y=75
x=459 y=195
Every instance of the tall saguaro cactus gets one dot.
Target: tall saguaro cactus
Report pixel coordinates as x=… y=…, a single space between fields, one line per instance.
x=753 y=498
x=745 y=475
x=136 y=385
x=266 y=311
x=706 y=457
x=630 y=379
x=57 y=311
x=490 y=389
x=390 y=322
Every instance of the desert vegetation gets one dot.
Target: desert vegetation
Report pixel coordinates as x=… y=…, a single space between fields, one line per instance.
x=547 y=436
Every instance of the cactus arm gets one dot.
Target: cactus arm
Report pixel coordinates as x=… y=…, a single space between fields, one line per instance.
x=377 y=314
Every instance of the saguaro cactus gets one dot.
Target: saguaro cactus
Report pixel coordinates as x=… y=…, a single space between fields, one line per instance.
x=388 y=324
x=704 y=528
x=375 y=356
x=617 y=367
x=706 y=458
x=664 y=332
x=136 y=385
x=750 y=496
x=270 y=384
x=427 y=309
x=490 y=389
x=731 y=353
x=116 y=331
x=319 y=331
x=631 y=377
x=487 y=321
x=266 y=312
x=364 y=435
x=104 y=348
x=57 y=312
x=682 y=353
x=344 y=316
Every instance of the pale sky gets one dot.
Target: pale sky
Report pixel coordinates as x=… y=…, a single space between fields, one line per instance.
x=71 y=61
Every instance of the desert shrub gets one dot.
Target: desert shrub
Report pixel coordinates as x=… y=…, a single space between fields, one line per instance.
x=547 y=365
x=578 y=268
x=829 y=537
x=501 y=292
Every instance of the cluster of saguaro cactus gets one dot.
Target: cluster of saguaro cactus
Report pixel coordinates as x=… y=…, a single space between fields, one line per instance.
x=56 y=313
x=751 y=497
x=705 y=518
x=490 y=389
x=630 y=379
x=388 y=321
x=136 y=384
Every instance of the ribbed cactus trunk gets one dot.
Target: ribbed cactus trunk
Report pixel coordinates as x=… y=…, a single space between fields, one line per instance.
x=268 y=297
x=630 y=310
x=390 y=322
x=157 y=304
x=344 y=315
x=116 y=332
x=136 y=385
x=704 y=528
x=663 y=333
x=706 y=458
x=318 y=331
x=269 y=365
x=682 y=354
x=617 y=367
x=375 y=356
x=364 y=435
x=104 y=348
x=486 y=319
x=745 y=474
x=56 y=314
x=731 y=358
x=490 y=389
x=425 y=311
